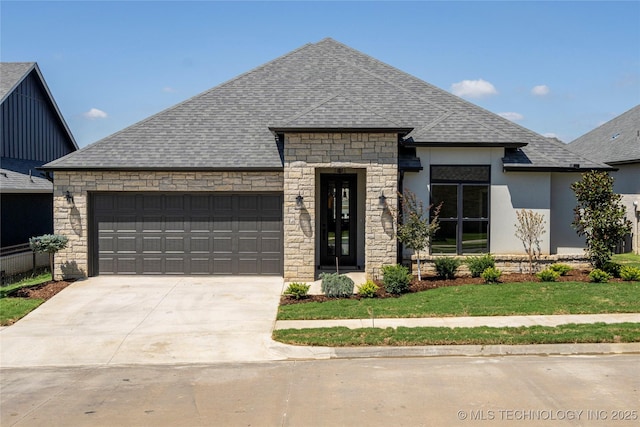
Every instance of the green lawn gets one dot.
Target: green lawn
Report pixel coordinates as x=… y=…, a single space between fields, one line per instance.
x=13 y=309
x=627 y=259
x=482 y=300
x=572 y=333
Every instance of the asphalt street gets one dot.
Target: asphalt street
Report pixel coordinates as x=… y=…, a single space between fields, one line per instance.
x=588 y=390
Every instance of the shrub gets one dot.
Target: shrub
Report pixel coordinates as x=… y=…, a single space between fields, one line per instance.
x=613 y=268
x=599 y=276
x=446 y=267
x=491 y=275
x=478 y=264
x=396 y=278
x=549 y=275
x=48 y=243
x=368 y=289
x=560 y=268
x=629 y=273
x=297 y=290
x=336 y=285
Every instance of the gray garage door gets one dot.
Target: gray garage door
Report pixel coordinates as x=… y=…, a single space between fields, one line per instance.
x=187 y=233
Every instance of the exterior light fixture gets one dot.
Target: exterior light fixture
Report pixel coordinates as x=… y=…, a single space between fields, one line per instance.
x=382 y=198
x=69 y=197
x=299 y=200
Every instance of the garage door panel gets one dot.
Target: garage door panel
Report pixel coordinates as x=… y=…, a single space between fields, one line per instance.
x=199 y=245
x=173 y=224
x=247 y=225
x=125 y=265
x=222 y=224
x=271 y=245
x=248 y=265
x=150 y=202
x=187 y=233
x=200 y=266
x=125 y=244
x=152 y=265
x=174 y=245
x=151 y=244
x=222 y=266
x=175 y=265
x=222 y=245
x=248 y=245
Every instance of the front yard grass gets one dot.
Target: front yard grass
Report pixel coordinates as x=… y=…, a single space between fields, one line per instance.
x=571 y=333
x=630 y=259
x=13 y=309
x=526 y=298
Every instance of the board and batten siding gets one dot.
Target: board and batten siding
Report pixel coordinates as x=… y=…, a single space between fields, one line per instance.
x=31 y=127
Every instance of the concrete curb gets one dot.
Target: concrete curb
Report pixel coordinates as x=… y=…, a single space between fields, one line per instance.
x=291 y=352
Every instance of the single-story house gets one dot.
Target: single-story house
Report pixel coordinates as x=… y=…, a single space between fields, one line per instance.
x=617 y=144
x=294 y=168
x=32 y=132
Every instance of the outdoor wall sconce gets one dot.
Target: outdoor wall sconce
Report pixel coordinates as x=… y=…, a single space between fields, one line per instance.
x=299 y=200
x=382 y=199
x=69 y=198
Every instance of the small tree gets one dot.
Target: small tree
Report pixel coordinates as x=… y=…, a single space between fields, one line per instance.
x=48 y=243
x=599 y=216
x=416 y=228
x=529 y=229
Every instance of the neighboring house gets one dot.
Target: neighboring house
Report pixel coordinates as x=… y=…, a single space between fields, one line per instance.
x=294 y=168
x=32 y=133
x=617 y=143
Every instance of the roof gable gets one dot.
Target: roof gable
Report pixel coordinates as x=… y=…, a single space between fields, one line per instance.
x=320 y=85
x=17 y=77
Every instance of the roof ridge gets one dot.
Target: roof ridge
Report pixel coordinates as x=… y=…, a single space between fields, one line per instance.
x=309 y=109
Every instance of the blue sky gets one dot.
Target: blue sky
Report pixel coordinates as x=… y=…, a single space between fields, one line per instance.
x=558 y=68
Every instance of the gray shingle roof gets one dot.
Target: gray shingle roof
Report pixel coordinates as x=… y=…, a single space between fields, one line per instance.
x=21 y=176
x=11 y=74
x=617 y=141
x=320 y=85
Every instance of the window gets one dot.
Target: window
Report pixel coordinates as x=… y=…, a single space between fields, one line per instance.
x=464 y=217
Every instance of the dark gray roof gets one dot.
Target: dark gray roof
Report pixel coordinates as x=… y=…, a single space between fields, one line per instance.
x=322 y=85
x=21 y=176
x=11 y=74
x=615 y=142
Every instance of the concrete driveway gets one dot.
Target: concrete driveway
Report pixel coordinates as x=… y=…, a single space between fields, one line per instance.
x=111 y=320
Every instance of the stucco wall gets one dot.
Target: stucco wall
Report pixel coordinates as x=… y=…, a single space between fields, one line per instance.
x=370 y=155
x=509 y=192
x=564 y=239
x=72 y=220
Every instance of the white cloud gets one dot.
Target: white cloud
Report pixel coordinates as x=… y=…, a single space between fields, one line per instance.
x=550 y=135
x=473 y=88
x=540 y=90
x=94 y=113
x=514 y=117
x=168 y=89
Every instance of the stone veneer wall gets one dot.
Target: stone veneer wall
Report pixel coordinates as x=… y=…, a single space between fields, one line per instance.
x=506 y=263
x=304 y=153
x=72 y=222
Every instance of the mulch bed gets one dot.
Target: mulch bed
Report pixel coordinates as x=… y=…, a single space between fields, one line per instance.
x=41 y=291
x=433 y=282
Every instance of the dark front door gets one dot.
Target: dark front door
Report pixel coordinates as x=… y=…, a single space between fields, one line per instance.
x=338 y=219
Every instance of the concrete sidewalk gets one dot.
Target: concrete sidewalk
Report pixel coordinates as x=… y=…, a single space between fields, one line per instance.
x=459 y=322
x=308 y=352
